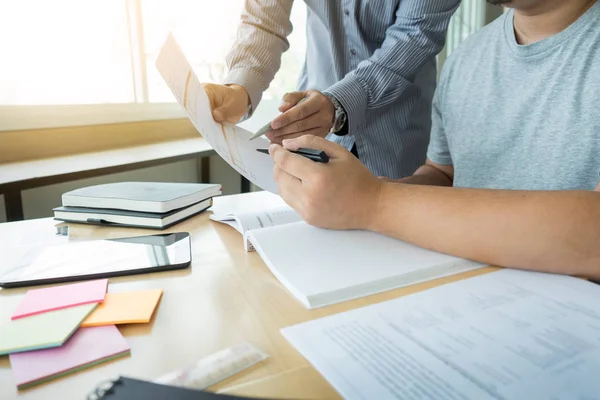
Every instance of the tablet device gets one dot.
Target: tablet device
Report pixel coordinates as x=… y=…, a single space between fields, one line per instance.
x=97 y=259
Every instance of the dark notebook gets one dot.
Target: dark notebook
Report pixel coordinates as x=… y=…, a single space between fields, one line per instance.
x=134 y=389
x=137 y=219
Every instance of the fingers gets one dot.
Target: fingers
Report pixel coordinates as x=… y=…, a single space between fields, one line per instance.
x=219 y=114
x=295 y=165
x=289 y=187
x=209 y=88
x=314 y=121
x=333 y=150
x=300 y=111
x=289 y=100
x=280 y=139
x=228 y=103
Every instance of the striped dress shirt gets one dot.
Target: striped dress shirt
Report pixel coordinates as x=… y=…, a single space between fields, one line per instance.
x=377 y=57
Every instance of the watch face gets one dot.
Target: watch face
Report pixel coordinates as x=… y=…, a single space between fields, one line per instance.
x=338 y=122
x=339 y=119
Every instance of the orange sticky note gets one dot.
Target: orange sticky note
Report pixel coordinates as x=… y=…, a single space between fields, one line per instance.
x=125 y=308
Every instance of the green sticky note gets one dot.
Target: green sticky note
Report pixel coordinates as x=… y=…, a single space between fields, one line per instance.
x=42 y=331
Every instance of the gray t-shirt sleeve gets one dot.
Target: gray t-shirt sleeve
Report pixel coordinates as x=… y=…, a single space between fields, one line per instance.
x=438 y=150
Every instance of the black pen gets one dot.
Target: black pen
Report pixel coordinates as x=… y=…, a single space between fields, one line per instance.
x=315 y=155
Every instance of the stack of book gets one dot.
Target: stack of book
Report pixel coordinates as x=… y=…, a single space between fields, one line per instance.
x=154 y=205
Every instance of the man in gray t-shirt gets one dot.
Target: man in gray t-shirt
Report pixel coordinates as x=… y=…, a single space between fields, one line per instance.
x=516 y=132
x=508 y=116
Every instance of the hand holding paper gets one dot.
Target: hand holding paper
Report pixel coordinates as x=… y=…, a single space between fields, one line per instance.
x=229 y=141
x=229 y=103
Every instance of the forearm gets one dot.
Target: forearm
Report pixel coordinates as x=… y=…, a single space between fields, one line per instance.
x=255 y=56
x=555 y=232
x=427 y=175
x=416 y=37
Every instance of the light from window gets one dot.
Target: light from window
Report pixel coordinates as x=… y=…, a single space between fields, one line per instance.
x=64 y=52
x=207 y=36
x=73 y=52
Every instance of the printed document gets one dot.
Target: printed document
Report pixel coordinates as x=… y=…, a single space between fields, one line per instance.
x=505 y=335
x=229 y=141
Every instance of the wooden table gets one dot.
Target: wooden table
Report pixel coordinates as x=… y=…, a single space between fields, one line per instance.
x=226 y=297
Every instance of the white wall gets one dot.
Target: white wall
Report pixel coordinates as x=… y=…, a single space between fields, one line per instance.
x=38 y=202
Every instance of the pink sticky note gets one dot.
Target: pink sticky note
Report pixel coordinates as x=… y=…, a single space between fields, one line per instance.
x=37 y=301
x=86 y=348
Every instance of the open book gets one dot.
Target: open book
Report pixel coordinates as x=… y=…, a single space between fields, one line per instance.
x=321 y=266
x=245 y=222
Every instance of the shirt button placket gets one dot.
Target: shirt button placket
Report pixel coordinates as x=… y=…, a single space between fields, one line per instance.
x=350 y=28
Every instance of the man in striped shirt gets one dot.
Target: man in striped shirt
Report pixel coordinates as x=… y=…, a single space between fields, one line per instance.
x=368 y=77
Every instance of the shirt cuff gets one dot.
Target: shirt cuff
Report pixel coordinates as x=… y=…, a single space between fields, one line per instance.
x=353 y=97
x=250 y=81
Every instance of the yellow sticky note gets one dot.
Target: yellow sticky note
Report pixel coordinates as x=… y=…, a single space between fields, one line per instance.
x=125 y=308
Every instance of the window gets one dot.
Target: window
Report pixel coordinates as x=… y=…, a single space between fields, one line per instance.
x=73 y=62
x=64 y=52
x=468 y=19
x=206 y=37
x=470 y=16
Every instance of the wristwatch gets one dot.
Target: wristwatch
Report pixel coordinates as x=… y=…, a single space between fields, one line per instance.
x=340 y=118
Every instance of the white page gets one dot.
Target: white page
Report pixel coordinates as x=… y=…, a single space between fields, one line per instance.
x=229 y=220
x=245 y=202
x=506 y=335
x=312 y=262
x=229 y=141
x=265 y=219
x=261 y=219
x=244 y=222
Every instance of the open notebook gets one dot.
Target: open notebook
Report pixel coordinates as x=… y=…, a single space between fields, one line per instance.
x=321 y=267
x=246 y=221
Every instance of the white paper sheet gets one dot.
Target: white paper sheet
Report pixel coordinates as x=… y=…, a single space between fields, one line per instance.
x=229 y=141
x=505 y=335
